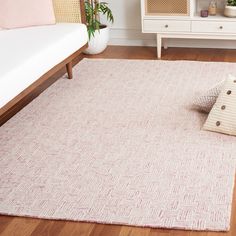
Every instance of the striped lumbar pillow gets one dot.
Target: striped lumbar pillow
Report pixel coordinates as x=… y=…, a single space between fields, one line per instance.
x=204 y=101
x=222 y=117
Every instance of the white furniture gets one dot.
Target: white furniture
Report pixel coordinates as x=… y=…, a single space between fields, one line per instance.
x=29 y=53
x=181 y=19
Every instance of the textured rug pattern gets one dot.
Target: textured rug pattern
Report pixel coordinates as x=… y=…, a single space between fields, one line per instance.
x=118 y=144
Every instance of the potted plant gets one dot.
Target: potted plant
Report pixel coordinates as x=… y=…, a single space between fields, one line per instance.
x=98 y=33
x=230 y=8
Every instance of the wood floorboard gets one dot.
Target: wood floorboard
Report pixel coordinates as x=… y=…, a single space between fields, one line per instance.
x=74 y=229
x=47 y=228
x=4 y=222
x=20 y=226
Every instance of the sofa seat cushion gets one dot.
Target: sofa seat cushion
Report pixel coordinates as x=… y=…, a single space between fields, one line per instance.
x=28 y=53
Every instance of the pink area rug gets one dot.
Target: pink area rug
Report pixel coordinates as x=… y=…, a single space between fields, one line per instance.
x=119 y=145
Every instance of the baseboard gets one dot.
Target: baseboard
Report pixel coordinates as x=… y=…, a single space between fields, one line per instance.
x=132 y=42
x=134 y=37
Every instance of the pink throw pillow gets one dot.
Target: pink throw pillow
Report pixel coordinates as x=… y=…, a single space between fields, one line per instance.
x=25 y=13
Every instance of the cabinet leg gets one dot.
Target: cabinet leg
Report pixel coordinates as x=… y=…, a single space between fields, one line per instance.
x=158 y=46
x=165 y=44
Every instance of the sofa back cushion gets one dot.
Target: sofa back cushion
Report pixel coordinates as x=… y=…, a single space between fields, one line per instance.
x=25 y=13
x=67 y=11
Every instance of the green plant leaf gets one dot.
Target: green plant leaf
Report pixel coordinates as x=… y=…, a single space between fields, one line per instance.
x=231 y=3
x=93 y=9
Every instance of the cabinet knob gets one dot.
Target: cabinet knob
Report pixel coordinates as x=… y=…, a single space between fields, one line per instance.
x=166 y=26
x=221 y=27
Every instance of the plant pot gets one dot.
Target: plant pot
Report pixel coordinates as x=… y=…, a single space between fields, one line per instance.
x=98 y=43
x=230 y=11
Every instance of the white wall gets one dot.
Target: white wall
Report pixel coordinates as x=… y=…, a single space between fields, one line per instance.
x=127 y=29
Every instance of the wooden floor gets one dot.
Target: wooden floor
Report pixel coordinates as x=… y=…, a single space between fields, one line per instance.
x=19 y=226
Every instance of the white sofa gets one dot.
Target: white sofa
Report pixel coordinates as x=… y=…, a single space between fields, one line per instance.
x=29 y=53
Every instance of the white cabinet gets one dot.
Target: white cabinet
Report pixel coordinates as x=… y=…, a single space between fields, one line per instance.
x=167 y=26
x=181 y=19
x=220 y=27
x=167 y=7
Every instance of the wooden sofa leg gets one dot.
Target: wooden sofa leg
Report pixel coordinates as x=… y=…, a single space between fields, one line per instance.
x=69 y=70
